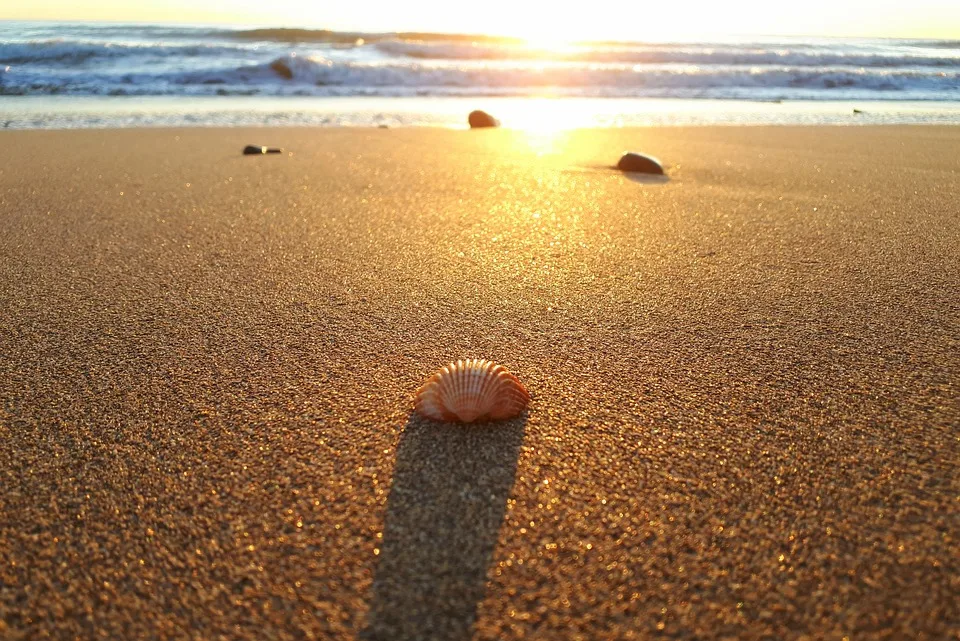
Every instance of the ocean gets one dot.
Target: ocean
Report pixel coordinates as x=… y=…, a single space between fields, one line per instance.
x=55 y=75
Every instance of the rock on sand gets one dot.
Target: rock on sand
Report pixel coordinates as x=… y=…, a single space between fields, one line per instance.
x=479 y=119
x=640 y=163
x=251 y=150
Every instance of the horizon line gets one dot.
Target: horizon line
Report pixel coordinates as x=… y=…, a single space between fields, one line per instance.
x=458 y=35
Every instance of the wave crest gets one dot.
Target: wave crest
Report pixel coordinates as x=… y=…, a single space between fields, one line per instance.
x=661 y=54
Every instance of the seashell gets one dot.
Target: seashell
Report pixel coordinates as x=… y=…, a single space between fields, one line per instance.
x=472 y=390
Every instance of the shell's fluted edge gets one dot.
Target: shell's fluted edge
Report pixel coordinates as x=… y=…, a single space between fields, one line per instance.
x=471 y=390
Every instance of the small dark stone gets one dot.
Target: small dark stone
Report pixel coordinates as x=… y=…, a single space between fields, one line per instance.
x=282 y=69
x=256 y=150
x=858 y=111
x=479 y=119
x=639 y=163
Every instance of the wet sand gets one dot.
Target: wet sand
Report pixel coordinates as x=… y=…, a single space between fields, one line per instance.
x=745 y=404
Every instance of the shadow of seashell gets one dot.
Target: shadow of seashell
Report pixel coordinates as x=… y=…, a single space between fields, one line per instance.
x=446 y=505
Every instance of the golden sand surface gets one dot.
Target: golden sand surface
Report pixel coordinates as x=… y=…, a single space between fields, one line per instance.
x=745 y=406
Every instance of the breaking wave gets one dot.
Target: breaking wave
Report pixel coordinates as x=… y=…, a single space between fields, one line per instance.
x=664 y=54
x=90 y=59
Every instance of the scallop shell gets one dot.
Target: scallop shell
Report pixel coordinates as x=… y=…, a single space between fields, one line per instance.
x=472 y=390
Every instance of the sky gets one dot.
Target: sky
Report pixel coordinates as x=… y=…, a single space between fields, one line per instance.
x=538 y=20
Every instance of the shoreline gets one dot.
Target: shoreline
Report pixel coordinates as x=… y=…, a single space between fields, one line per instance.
x=743 y=416
x=562 y=113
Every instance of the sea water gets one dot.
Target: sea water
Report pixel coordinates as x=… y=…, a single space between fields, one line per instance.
x=57 y=75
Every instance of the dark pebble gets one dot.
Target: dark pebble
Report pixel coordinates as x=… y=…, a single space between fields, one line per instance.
x=479 y=119
x=858 y=111
x=282 y=69
x=639 y=163
x=256 y=150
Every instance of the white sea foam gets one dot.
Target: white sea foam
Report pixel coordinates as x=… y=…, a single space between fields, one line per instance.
x=694 y=54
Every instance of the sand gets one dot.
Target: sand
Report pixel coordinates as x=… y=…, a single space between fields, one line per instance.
x=745 y=385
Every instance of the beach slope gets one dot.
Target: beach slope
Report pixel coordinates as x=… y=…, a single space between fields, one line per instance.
x=744 y=381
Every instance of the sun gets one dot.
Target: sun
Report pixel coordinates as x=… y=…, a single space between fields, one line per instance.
x=559 y=31
x=549 y=41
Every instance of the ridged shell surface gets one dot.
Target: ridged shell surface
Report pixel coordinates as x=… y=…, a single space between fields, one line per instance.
x=472 y=390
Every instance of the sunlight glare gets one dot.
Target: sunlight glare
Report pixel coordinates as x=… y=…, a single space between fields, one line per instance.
x=541 y=116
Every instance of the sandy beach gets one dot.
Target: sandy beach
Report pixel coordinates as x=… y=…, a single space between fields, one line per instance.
x=745 y=384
